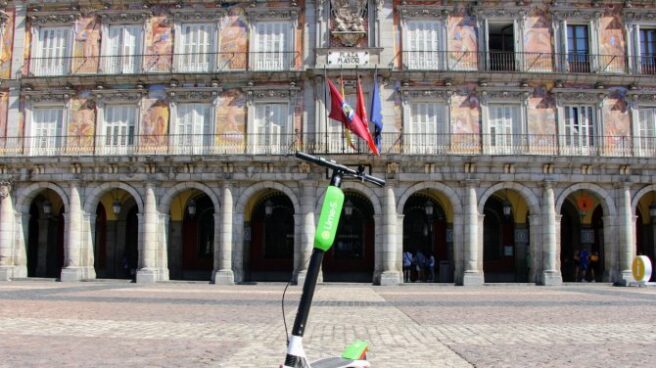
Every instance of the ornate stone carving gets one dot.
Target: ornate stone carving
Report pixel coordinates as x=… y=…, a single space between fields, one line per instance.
x=110 y=95
x=642 y=96
x=193 y=93
x=197 y=14
x=125 y=16
x=439 y=93
x=48 y=96
x=286 y=13
x=484 y=11
x=428 y=11
x=271 y=92
x=570 y=12
x=505 y=93
x=579 y=95
x=349 y=20
x=639 y=14
x=53 y=17
x=5 y=189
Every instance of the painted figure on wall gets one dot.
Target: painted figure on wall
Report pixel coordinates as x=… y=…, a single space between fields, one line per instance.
x=538 y=42
x=611 y=42
x=465 y=126
x=617 y=122
x=81 y=124
x=86 y=46
x=155 y=121
x=7 y=43
x=159 y=45
x=234 y=40
x=542 y=121
x=462 y=42
x=231 y=119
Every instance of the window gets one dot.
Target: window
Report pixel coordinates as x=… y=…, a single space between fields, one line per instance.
x=273 y=46
x=193 y=131
x=423 y=45
x=120 y=121
x=648 y=51
x=122 y=49
x=501 y=46
x=578 y=49
x=47 y=128
x=195 y=47
x=504 y=129
x=52 y=51
x=647 y=131
x=428 y=128
x=579 y=129
x=272 y=133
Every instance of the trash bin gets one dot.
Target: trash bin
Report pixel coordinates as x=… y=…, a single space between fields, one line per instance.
x=445 y=271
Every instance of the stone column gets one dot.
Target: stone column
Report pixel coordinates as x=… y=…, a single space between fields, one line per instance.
x=148 y=272
x=551 y=274
x=73 y=269
x=303 y=251
x=6 y=231
x=626 y=237
x=612 y=267
x=473 y=275
x=392 y=249
x=223 y=274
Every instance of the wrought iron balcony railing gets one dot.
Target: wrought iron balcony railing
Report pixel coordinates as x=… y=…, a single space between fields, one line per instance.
x=165 y=63
x=531 y=62
x=282 y=144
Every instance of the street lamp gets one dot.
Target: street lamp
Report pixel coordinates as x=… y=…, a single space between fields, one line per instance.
x=652 y=210
x=428 y=207
x=348 y=208
x=268 y=207
x=507 y=208
x=116 y=207
x=191 y=207
x=47 y=207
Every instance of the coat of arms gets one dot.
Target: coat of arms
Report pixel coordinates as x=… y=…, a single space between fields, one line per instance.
x=349 y=20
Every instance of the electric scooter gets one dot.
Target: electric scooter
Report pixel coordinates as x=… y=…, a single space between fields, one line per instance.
x=355 y=355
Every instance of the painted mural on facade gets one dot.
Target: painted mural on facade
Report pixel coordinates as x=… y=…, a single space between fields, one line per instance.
x=159 y=43
x=86 y=46
x=81 y=124
x=4 y=104
x=26 y=50
x=231 y=120
x=233 y=39
x=7 y=44
x=462 y=41
x=541 y=124
x=155 y=120
x=538 y=41
x=617 y=122
x=611 y=41
x=465 y=122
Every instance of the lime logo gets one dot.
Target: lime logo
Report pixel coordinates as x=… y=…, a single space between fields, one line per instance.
x=641 y=268
x=326 y=235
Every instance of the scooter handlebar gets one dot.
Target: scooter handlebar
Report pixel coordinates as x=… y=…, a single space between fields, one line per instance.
x=335 y=166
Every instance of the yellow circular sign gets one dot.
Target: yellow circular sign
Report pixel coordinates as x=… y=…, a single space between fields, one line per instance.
x=641 y=268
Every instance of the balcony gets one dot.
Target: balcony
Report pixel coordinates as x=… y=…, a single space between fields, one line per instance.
x=166 y=64
x=283 y=144
x=528 y=62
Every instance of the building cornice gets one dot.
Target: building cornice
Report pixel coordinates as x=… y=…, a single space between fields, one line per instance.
x=425 y=11
x=53 y=17
x=51 y=96
x=122 y=95
x=562 y=12
x=271 y=92
x=579 y=95
x=125 y=16
x=185 y=94
x=639 y=14
x=431 y=92
x=197 y=14
x=255 y=13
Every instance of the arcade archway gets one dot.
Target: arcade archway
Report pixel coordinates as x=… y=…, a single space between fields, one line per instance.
x=646 y=228
x=45 y=235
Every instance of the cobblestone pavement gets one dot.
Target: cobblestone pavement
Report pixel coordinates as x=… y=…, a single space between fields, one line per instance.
x=112 y=324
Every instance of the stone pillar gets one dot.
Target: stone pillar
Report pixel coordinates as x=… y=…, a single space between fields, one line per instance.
x=73 y=268
x=303 y=250
x=627 y=244
x=473 y=275
x=148 y=272
x=611 y=240
x=392 y=249
x=551 y=275
x=223 y=274
x=6 y=231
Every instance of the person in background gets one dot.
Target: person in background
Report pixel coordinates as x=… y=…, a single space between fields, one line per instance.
x=594 y=265
x=420 y=259
x=584 y=264
x=407 y=265
x=430 y=267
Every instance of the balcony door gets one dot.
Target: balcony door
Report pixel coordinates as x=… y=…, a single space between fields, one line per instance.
x=578 y=48
x=52 y=51
x=122 y=52
x=272 y=46
x=195 y=47
x=272 y=133
x=193 y=130
x=427 y=131
x=47 y=127
x=647 y=131
x=119 y=128
x=579 y=130
x=422 y=49
x=501 y=46
x=648 y=51
x=504 y=129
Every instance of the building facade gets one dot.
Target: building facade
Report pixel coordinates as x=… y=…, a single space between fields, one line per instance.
x=153 y=140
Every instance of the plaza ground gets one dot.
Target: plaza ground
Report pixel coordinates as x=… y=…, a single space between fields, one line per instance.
x=115 y=324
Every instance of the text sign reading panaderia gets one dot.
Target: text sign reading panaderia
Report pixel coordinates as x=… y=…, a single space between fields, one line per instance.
x=348 y=57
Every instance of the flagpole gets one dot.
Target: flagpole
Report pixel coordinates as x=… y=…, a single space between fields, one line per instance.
x=325 y=105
